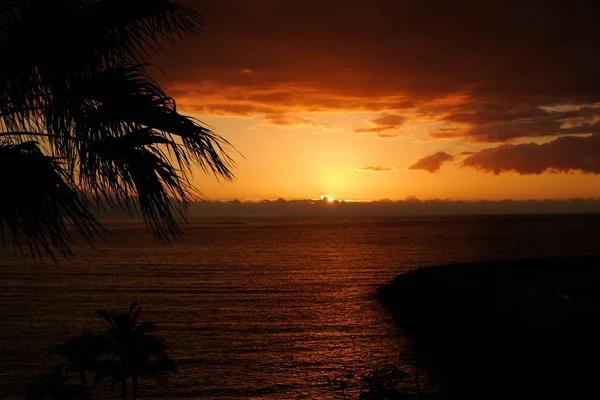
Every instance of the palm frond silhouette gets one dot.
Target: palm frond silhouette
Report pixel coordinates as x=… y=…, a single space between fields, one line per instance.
x=83 y=124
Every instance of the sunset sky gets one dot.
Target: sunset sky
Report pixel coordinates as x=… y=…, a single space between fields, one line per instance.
x=365 y=100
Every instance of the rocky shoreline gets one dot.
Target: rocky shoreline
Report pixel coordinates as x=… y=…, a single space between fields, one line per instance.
x=504 y=329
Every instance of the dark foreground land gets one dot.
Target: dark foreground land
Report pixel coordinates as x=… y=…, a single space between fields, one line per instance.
x=505 y=329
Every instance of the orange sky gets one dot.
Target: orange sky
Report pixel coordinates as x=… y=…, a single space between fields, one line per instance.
x=364 y=101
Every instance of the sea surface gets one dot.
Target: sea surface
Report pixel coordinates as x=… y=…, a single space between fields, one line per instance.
x=256 y=308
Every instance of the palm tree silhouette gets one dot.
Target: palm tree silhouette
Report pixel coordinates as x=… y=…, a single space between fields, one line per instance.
x=135 y=352
x=84 y=126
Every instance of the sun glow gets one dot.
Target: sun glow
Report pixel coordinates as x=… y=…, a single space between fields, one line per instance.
x=329 y=199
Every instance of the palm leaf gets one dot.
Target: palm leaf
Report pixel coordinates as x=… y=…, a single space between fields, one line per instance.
x=106 y=130
x=159 y=367
x=125 y=133
x=137 y=25
x=127 y=96
x=134 y=312
x=129 y=174
x=107 y=316
x=133 y=306
x=109 y=368
x=151 y=346
x=39 y=202
x=144 y=328
x=70 y=39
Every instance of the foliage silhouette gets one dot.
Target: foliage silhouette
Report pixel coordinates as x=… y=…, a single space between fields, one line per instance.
x=54 y=386
x=384 y=384
x=82 y=355
x=83 y=125
x=125 y=350
x=135 y=352
x=387 y=382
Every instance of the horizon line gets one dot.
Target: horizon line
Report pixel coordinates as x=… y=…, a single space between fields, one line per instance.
x=408 y=199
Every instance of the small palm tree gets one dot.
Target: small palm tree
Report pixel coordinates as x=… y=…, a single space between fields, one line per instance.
x=135 y=352
x=84 y=126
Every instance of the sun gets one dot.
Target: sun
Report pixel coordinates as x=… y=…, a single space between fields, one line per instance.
x=329 y=199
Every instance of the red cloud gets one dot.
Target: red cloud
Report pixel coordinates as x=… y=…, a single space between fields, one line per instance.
x=390 y=120
x=377 y=129
x=385 y=122
x=477 y=70
x=433 y=162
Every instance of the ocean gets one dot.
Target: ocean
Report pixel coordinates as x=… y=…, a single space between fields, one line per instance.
x=255 y=308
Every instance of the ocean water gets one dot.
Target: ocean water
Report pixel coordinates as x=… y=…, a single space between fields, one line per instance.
x=256 y=308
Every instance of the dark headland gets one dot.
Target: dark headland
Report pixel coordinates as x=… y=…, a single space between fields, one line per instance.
x=505 y=329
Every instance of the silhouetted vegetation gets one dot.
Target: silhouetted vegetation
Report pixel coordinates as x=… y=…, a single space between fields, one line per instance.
x=520 y=328
x=54 y=386
x=384 y=383
x=82 y=355
x=83 y=125
x=135 y=353
x=126 y=351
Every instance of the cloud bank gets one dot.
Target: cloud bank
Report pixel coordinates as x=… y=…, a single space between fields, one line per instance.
x=564 y=154
x=386 y=208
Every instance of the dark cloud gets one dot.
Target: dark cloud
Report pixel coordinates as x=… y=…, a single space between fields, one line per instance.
x=488 y=71
x=389 y=120
x=372 y=168
x=560 y=155
x=433 y=162
x=419 y=49
x=501 y=121
x=383 y=125
x=376 y=129
x=385 y=122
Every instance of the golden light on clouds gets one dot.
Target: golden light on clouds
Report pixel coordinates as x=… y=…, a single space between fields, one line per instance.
x=475 y=109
